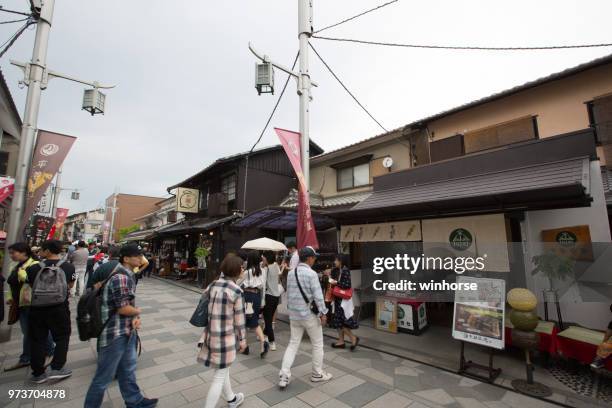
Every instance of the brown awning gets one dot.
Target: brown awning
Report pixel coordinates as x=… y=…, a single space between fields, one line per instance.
x=559 y=184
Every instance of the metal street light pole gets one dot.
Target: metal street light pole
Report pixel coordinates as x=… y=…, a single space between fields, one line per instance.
x=56 y=192
x=304 y=85
x=36 y=83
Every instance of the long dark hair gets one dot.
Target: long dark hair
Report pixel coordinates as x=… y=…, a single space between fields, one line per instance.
x=344 y=260
x=253 y=261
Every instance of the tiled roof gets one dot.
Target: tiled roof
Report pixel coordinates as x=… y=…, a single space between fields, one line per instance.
x=317 y=201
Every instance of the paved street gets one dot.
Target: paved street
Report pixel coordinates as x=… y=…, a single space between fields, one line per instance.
x=167 y=369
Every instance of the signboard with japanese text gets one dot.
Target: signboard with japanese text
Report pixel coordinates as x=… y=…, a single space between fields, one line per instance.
x=7 y=187
x=479 y=314
x=187 y=200
x=41 y=226
x=49 y=154
x=381 y=232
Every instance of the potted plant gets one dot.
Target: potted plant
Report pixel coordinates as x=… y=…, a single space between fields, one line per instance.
x=201 y=253
x=554 y=267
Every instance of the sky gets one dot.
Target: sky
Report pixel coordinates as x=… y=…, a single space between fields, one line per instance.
x=185 y=91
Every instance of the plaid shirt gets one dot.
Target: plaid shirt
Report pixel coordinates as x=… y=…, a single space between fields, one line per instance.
x=226 y=324
x=118 y=292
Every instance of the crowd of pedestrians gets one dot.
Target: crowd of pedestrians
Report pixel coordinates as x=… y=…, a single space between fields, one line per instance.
x=244 y=297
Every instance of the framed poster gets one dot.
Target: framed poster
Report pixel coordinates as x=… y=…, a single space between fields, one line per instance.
x=479 y=314
x=572 y=242
x=386 y=314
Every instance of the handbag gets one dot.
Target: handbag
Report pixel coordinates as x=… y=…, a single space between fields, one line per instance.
x=13 y=314
x=313 y=305
x=345 y=294
x=200 y=317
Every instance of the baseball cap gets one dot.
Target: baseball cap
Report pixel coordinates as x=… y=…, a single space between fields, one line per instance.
x=129 y=250
x=308 y=251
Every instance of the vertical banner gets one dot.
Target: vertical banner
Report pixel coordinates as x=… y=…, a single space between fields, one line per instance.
x=49 y=154
x=105 y=231
x=7 y=187
x=39 y=232
x=60 y=219
x=306 y=233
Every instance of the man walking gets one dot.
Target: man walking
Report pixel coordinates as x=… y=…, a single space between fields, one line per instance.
x=118 y=342
x=307 y=312
x=294 y=259
x=50 y=281
x=79 y=260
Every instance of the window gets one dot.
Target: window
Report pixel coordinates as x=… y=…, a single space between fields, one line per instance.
x=228 y=186
x=600 y=118
x=355 y=176
x=502 y=134
x=204 y=198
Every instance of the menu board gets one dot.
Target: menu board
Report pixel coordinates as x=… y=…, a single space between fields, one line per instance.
x=386 y=314
x=479 y=314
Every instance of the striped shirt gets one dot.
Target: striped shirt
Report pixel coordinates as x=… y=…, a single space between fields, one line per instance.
x=298 y=308
x=117 y=293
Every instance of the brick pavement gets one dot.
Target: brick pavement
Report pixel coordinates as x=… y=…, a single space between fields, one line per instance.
x=167 y=369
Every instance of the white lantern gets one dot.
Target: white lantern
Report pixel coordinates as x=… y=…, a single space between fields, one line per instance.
x=75 y=195
x=94 y=101
x=264 y=78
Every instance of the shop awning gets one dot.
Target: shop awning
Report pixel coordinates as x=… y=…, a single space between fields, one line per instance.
x=198 y=224
x=138 y=235
x=558 y=184
x=277 y=218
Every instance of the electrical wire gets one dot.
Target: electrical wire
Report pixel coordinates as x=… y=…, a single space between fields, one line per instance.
x=14 y=12
x=8 y=43
x=463 y=47
x=346 y=20
x=346 y=89
x=14 y=21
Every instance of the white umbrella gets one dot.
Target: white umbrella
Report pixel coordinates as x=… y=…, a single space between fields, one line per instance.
x=265 y=244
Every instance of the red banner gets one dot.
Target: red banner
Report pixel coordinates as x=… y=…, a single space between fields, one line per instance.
x=60 y=218
x=7 y=187
x=49 y=154
x=306 y=232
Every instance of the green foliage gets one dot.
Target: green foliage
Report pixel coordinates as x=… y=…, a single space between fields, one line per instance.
x=201 y=252
x=127 y=230
x=553 y=266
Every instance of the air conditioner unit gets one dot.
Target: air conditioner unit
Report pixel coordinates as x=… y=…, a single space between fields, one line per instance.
x=217 y=204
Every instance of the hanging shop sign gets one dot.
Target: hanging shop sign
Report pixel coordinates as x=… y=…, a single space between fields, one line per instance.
x=478 y=315
x=572 y=242
x=475 y=236
x=389 y=231
x=187 y=200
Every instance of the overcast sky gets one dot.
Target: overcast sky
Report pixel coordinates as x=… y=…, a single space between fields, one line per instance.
x=185 y=77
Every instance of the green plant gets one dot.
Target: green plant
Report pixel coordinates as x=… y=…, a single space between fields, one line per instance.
x=126 y=230
x=201 y=252
x=553 y=266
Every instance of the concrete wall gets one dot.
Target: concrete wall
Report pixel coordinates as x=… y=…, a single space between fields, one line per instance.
x=574 y=308
x=129 y=207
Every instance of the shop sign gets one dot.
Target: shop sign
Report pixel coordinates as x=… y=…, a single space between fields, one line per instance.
x=572 y=242
x=460 y=239
x=382 y=232
x=478 y=315
x=386 y=314
x=187 y=200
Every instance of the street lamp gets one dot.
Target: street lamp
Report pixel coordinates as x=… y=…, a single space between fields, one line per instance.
x=264 y=77
x=93 y=101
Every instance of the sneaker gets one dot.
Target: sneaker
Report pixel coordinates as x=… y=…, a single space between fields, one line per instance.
x=60 y=374
x=273 y=346
x=266 y=348
x=238 y=400
x=148 y=403
x=597 y=365
x=283 y=382
x=323 y=377
x=39 y=379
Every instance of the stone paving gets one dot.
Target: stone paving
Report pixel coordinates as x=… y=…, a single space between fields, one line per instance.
x=167 y=369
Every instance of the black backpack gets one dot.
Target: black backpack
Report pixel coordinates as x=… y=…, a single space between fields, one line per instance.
x=89 y=311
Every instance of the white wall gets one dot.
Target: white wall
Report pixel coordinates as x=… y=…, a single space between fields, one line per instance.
x=595 y=315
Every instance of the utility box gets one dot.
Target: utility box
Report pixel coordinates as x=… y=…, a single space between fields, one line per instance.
x=264 y=78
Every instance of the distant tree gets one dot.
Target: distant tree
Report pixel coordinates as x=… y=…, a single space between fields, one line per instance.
x=124 y=231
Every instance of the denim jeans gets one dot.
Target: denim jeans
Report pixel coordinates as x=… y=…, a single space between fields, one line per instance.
x=118 y=358
x=24 y=323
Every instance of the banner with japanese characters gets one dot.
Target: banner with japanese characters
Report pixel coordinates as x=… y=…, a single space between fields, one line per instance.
x=49 y=154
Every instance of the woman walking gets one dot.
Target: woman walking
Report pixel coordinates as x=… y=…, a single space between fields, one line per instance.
x=253 y=286
x=342 y=319
x=273 y=294
x=225 y=332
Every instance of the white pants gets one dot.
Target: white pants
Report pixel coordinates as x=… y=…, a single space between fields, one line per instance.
x=79 y=285
x=220 y=385
x=314 y=329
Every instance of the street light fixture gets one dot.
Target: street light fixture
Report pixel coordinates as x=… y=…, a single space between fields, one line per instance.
x=264 y=77
x=94 y=101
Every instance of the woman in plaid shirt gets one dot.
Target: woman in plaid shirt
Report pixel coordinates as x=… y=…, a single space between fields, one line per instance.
x=225 y=333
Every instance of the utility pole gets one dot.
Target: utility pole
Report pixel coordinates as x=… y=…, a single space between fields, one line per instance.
x=304 y=33
x=36 y=82
x=56 y=192
x=111 y=236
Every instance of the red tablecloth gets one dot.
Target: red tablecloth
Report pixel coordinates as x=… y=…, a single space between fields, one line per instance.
x=548 y=342
x=579 y=350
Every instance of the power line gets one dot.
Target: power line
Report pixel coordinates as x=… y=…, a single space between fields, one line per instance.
x=346 y=20
x=346 y=89
x=464 y=47
x=14 y=12
x=8 y=43
x=14 y=21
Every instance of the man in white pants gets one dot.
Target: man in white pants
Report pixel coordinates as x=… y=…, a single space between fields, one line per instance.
x=304 y=290
x=79 y=260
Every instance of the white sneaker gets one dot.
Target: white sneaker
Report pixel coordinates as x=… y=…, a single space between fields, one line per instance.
x=283 y=382
x=323 y=377
x=273 y=346
x=238 y=402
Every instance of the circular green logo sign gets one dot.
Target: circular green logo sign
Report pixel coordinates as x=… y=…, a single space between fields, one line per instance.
x=566 y=239
x=460 y=239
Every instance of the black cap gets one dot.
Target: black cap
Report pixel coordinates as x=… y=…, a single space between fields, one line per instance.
x=291 y=244
x=130 y=250
x=307 y=252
